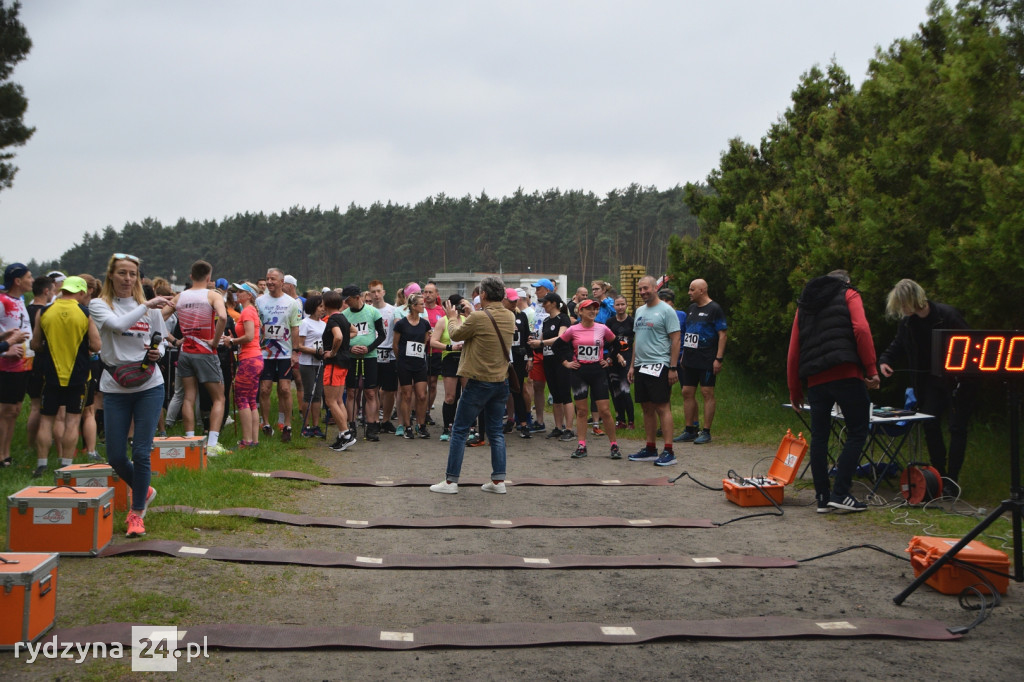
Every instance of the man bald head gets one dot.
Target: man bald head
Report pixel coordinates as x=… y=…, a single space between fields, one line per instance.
x=699 y=292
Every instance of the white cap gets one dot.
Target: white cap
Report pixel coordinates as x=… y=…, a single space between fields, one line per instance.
x=522 y=293
x=288 y=279
x=325 y=290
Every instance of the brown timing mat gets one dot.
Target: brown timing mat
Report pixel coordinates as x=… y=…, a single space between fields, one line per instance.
x=491 y=635
x=443 y=521
x=395 y=482
x=312 y=557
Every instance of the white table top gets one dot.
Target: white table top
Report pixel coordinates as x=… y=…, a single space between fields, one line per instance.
x=875 y=419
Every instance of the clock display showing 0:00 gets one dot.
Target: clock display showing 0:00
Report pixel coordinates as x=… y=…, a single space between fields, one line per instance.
x=983 y=352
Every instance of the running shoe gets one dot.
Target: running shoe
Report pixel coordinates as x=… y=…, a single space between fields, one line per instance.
x=136 y=528
x=150 y=496
x=446 y=435
x=644 y=455
x=373 y=432
x=387 y=427
x=429 y=421
x=616 y=453
x=408 y=433
x=567 y=435
x=555 y=433
x=319 y=433
x=476 y=441
x=286 y=434
x=847 y=503
x=686 y=437
x=598 y=431
x=216 y=450
x=400 y=430
x=268 y=430
x=580 y=452
x=524 y=432
x=423 y=432
x=704 y=437
x=667 y=459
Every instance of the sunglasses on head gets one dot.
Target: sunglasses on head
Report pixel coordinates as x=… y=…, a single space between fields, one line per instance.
x=127 y=256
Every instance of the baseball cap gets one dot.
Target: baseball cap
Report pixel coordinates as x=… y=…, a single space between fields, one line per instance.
x=588 y=303
x=56 y=275
x=246 y=287
x=350 y=291
x=544 y=282
x=325 y=290
x=289 y=279
x=511 y=294
x=13 y=272
x=522 y=293
x=74 y=285
x=221 y=283
x=412 y=288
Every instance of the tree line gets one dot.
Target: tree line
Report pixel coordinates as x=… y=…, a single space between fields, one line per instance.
x=578 y=233
x=918 y=173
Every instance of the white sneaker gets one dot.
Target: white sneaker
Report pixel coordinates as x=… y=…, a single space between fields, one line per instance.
x=491 y=487
x=445 y=487
x=216 y=450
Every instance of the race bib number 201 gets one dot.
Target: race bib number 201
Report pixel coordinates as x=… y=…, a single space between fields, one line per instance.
x=588 y=353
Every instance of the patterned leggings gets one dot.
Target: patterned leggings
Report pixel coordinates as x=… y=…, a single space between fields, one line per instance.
x=247 y=383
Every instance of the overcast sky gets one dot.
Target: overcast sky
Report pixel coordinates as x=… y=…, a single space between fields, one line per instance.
x=204 y=109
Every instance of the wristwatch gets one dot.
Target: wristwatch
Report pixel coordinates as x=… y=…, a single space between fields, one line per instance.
x=719 y=359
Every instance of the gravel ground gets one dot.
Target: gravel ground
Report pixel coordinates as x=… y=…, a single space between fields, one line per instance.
x=856 y=584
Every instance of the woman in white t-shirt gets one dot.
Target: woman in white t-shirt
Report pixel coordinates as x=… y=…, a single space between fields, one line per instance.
x=129 y=325
x=311 y=354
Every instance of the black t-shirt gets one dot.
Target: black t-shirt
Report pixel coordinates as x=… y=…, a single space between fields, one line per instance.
x=411 y=348
x=521 y=335
x=337 y=321
x=549 y=330
x=623 y=335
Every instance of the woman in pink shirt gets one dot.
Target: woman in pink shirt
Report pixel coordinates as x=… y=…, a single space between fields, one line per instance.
x=587 y=373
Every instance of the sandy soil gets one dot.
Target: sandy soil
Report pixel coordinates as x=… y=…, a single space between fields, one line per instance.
x=860 y=583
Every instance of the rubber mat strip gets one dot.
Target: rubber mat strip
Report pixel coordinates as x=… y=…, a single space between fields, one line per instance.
x=397 y=482
x=443 y=521
x=492 y=635
x=314 y=557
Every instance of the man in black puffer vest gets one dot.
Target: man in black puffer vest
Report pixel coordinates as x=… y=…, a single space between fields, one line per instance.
x=830 y=348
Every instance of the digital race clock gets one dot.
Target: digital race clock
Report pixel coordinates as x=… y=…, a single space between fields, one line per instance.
x=979 y=353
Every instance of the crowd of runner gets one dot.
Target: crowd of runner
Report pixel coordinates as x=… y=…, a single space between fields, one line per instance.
x=122 y=356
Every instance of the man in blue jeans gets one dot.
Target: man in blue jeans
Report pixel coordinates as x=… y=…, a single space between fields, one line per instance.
x=830 y=348
x=485 y=364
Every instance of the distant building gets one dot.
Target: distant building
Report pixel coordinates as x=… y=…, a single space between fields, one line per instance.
x=463 y=283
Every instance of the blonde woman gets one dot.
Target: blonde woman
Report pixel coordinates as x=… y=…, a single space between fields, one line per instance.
x=129 y=325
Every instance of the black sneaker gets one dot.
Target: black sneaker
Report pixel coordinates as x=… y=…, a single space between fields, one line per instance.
x=372 y=432
x=509 y=425
x=387 y=427
x=286 y=434
x=555 y=433
x=537 y=427
x=581 y=451
x=409 y=433
x=39 y=471
x=524 y=432
x=848 y=503
x=423 y=432
x=616 y=453
x=567 y=435
x=336 y=445
x=268 y=430
x=822 y=503
x=429 y=421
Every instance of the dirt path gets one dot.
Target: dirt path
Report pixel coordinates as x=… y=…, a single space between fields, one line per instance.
x=861 y=583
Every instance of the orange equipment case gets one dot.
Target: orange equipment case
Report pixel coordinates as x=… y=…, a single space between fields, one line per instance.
x=72 y=521
x=782 y=472
x=95 y=475
x=954 y=579
x=177 y=451
x=28 y=599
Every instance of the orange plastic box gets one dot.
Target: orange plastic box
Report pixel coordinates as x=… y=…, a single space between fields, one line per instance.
x=951 y=578
x=95 y=475
x=782 y=472
x=28 y=599
x=177 y=451
x=62 y=519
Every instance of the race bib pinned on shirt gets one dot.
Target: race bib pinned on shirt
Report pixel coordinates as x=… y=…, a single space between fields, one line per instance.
x=653 y=370
x=548 y=350
x=588 y=353
x=691 y=340
x=383 y=355
x=414 y=349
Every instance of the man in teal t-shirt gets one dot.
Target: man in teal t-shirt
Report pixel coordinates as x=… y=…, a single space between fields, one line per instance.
x=362 y=371
x=655 y=349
